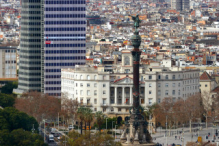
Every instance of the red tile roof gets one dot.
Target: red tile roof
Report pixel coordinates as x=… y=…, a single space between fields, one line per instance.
x=216 y=89
x=122 y=79
x=205 y=76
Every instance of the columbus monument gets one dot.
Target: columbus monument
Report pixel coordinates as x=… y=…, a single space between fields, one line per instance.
x=136 y=132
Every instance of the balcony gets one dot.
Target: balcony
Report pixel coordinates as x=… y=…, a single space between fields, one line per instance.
x=104 y=104
x=86 y=104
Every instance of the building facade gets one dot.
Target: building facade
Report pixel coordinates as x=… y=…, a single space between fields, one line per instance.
x=30 y=47
x=111 y=91
x=64 y=34
x=180 y=5
x=8 y=63
x=52 y=37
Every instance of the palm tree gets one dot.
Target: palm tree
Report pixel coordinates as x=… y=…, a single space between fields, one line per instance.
x=81 y=115
x=88 y=116
x=100 y=119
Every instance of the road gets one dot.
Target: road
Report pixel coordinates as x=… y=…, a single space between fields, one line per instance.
x=188 y=137
x=47 y=140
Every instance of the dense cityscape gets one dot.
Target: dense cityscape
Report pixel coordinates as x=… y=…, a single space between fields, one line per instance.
x=103 y=72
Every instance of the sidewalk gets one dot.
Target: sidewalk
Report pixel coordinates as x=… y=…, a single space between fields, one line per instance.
x=173 y=132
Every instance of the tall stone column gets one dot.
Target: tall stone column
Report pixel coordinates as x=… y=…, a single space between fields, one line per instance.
x=131 y=96
x=115 y=95
x=123 y=95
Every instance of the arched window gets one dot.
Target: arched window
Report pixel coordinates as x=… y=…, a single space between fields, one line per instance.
x=127 y=60
x=88 y=77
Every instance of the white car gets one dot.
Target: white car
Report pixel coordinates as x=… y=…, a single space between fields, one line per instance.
x=70 y=127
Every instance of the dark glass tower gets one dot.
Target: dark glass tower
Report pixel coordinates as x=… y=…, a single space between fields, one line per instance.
x=30 y=46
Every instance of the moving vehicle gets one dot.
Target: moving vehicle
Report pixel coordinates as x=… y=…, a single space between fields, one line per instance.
x=70 y=127
x=51 y=138
x=53 y=131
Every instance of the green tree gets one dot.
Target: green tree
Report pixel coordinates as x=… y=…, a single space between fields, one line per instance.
x=8 y=88
x=20 y=137
x=88 y=117
x=12 y=119
x=99 y=119
x=76 y=139
x=81 y=116
x=6 y=100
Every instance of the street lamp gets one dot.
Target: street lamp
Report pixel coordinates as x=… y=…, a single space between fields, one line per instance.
x=44 y=131
x=115 y=132
x=166 y=130
x=112 y=127
x=106 y=123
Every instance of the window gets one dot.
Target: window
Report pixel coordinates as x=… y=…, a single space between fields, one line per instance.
x=95 y=84
x=173 y=92
x=76 y=92
x=150 y=92
x=150 y=101
x=95 y=77
x=88 y=92
x=81 y=85
x=104 y=91
x=158 y=100
x=76 y=85
x=127 y=60
x=158 y=93
x=104 y=85
x=174 y=77
x=81 y=92
x=166 y=92
x=206 y=85
x=150 y=85
x=95 y=101
x=178 y=84
x=142 y=101
x=166 y=77
x=119 y=109
x=158 y=84
x=166 y=85
x=81 y=77
x=150 y=77
x=88 y=77
x=88 y=84
x=173 y=84
x=159 y=77
x=95 y=92
x=179 y=92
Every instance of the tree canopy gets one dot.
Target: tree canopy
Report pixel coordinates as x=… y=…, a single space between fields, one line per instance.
x=8 y=88
x=15 y=127
x=38 y=105
x=6 y=100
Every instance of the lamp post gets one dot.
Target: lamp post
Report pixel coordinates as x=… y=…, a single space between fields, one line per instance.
x=58 y=120
x=112 y=127
x=106 y=123
x=44 y=131
x=115 y=131
x=166 y=130
x=183 y=135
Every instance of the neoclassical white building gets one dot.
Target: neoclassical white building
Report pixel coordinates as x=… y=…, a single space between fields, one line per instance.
x=108 y=88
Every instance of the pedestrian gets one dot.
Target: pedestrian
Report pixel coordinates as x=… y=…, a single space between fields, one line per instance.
x=175 y=137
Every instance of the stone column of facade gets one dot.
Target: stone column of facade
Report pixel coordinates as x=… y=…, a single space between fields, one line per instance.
x=115 y=96
x=123 y=95
x=131 y=96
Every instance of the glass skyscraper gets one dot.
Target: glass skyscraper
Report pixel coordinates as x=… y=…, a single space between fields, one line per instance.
x=53 y=36
x=30 y=46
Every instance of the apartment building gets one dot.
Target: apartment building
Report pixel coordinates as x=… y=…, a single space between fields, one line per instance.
x=111 y=91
